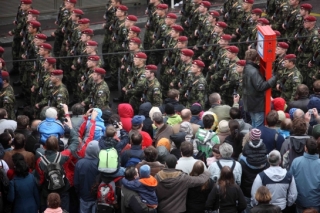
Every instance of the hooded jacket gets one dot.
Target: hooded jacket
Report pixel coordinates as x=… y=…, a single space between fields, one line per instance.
x=279 y=186
x=108 y=142
x=177 y=106
x=86 y=171
x=50 y=127
x=244 y=127
x=286 y=144
x=126 y=113
x=144 y=109
x=255 y=153
x=296 y=147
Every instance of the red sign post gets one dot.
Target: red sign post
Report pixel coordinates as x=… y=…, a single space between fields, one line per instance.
x=266 y=47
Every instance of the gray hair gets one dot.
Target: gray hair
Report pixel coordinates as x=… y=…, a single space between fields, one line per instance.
x=274 y=158
x=298 y=114
x=157 y=117
x=225 y=150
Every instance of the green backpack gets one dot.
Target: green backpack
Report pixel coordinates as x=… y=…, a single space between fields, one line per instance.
x=205 y=140
x=109 y=161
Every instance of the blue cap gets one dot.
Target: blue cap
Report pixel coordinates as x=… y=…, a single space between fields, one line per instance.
x=137 y=119
x=145 y=171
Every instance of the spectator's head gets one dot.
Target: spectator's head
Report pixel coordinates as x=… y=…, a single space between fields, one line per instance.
x=53 y=200
x=3 y=114
x=316 y=131
x=279 y=104
x=208 y=121
x=10 y=131
x=215 y=151
x=281 y=117
x=186 y=115
x=137 y=122
x=93 y=150
x=131 y=173
x=298 y=113
x=272 y=118
x=171 y=161
x=111 y=131
x=154 y=110
x=251 y=55
x=5 y=140
x=226 y=179
x=136 y=138
x=164 y=142
x=35 y=124
x=20 y=165
x=263 y=195
x=274 y=158
x=52 y=144
x=310 y=210
x=195 y=109
x=223 y=126
x=186 y=149
x=77 y=109
x=18 y=141
x=316 y=86
x=286 y=124
x=299 y=126
x=22 y=122
x=226 y=150
x=150 y=154
x=235 y=113
x=51 y=113
x=215 y=98
x=234 y=129
x=311 y=146
x=302 y=91
x=162 y=154
x=157 y=118
x=144 y=171
x=173 y=94
x=198 y=168
x=291 y=112
x=255 y=135
x=169 y=109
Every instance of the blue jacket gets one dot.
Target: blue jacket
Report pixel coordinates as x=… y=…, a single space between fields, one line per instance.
x=307 y=177
x=135 y=151
x=24 y=193
x=195 y=119
x=268 y=136
x=107 y=142
x=50 y=127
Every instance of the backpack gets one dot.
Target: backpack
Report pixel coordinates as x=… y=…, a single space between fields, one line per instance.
x=54 y=173
x=106 y=196
x=108 y=161
x=203 y=140
x=133 y=161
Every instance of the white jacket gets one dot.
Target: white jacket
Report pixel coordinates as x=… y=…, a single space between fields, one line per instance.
x=215 y=170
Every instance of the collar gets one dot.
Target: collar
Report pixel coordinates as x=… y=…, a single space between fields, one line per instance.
x=314 y=157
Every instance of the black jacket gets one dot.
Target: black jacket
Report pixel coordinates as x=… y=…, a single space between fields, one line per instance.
x=266 y=208
x=301 y=103
x=144 y=110
x=254 y=87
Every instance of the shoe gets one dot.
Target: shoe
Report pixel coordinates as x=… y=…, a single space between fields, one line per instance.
x=177 y=5
x=17 y=83
x=119 y=99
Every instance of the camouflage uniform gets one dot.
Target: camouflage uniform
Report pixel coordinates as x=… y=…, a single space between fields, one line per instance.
x=7 y=101
x=181 y=77
x=230 y=86
x=281 y=14
x=152 y=92
x=234 y=17
x=221 y=66
x=186 y=10
x=277 y=68
x=292 y=24
x=245 y=26
x=198 y=22
x=159 y=38
x=289 y=81
x=99 y=96
x=271 y=8
x=204 y=37
x=150 y=27
x=195 y=89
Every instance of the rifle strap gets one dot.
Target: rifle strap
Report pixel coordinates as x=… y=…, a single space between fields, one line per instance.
x=195 y=82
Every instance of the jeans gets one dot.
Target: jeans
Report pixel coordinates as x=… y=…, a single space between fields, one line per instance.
x=257 y=119
x=87 y=206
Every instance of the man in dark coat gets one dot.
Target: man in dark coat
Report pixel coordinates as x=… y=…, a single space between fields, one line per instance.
x=302 y=99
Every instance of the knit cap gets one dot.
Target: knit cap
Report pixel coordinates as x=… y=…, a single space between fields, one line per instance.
x=145 y=171
x=255 y=135
x=291 y=112
x=164 y=142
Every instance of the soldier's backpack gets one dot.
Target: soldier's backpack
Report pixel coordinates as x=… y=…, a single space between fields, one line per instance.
x=108 y=161
x=54 y=173
x=106 y=196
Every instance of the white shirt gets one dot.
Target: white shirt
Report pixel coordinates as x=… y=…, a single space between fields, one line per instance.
x=186 y=164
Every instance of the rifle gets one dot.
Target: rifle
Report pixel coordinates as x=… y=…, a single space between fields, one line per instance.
x=18 y=14
x=58 y=19
x=114 y=30
x=199 y=33
x=183 y=9
x=189 y=90
x=150 y=15
x=168 y=59
x=174 y=69
x=282 y=82
x=302 y=38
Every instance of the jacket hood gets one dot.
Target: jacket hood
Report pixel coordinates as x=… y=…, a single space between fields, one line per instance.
x=150 y=181
x=107 y=142
x=256 y=144
x=93 y=150
x=125 y=111
x=276 y=173
x=298 y=143
x=169 y=177
x=178 y=138
x=241 y=123
x=145 y=108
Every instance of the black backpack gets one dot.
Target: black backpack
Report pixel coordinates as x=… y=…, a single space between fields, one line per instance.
x=54 y=173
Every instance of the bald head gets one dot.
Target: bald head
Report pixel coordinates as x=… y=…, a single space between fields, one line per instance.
x=186 y=114
x=298 y=114
x=35 y=124
x=214 y=98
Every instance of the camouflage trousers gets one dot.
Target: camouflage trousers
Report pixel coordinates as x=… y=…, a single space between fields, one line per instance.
x=147 y=41
x=58 y=40
x=106 y=45
x=16 y=44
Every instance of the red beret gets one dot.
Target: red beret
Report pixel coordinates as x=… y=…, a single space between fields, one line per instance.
x=199 y=63
x=151 y=67
x=233 y=49
x=72 y=1
x=33 y=12
x=51 y=60
x=123 y=8
x=290 y=56
x=87 y=31
x=41 y=36
x=100 y=70
x=182 y=38
x=283 y=45
x=306 y=6
x=310 y=19
x=57 y=72
x=84 y=21
x=256 y=11
x=221 y=24
x=78 y=11
x=35 y=23
x=46 y=46
x=177 y=28
x=162 y=6
x=172 y=15
x=226 y=37
x=214 y=13
x=92 y=43
x=132 y=18
x=278 y=34
x=135 y=29
x=205 y=4
x=136 y=40
x=263 y=21
x=241 y=63
x=26 y=1
x=4 y=73
x=1 y=49
x=141 y=55
x=248 y=1
x=93 y=58
x=187 y=52
x=2 y=61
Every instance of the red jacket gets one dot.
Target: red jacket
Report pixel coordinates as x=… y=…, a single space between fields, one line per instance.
x=126 y=114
